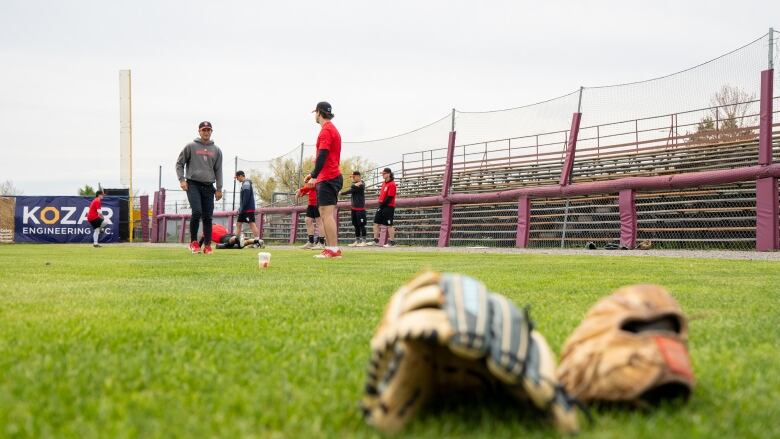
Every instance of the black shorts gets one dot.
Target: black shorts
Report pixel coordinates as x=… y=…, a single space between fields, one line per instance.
x=328 y=191
x=312 y=211
x=97 y=222
x=224 y=241
x=358 y=218
x=246 y=217
x=384 y=216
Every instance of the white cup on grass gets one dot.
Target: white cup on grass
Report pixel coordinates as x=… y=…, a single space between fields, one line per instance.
x=263 y=259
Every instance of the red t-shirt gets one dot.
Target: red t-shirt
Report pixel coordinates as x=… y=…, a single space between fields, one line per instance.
x=217 y=232
x=312 y=195
x=94 y=210
x=388 y=190
x=330 y=140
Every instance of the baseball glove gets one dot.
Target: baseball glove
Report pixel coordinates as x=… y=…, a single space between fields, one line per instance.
x=445 y=333
x=630 y=348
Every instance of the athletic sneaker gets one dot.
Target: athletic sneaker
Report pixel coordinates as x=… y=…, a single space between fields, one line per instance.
x=259 y=243
x=354 y=244
x=194 y=247
x=307 y=246
x=96 y=245
x=389 y=244
x=329 y=254
x=371 y=243
x=361 y=244
x=207 y=250
x=317 y=246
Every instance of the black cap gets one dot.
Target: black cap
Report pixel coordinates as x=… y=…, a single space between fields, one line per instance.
x=240 y=174
x=355 y=172
x=204 y=124
x=324 y=107
x=387 y=171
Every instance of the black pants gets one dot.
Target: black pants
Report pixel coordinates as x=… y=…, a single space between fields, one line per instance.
x=201 y=197
x=359 y=222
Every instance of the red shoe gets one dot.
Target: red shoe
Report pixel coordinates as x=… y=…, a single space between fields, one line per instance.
x=329 y=254
x=195 y=247
x=207 y=250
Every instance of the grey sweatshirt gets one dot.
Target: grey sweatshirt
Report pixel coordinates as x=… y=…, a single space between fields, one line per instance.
x=203 y=161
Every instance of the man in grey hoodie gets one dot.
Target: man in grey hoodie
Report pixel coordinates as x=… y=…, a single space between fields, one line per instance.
x=203 y=162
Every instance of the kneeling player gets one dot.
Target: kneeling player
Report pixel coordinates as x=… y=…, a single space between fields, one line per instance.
x=223 y=239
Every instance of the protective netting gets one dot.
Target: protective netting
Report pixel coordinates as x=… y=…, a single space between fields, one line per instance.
x=716 y=102
x=422 y=151
x=484 y=225
x=416 y=226
x=573 y=222
x=276 y=228
x=275 y=180
x=709 y=217
x=491 y=145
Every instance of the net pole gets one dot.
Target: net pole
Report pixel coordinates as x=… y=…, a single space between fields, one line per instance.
x=235 y=169
x=568 y=177
x=771 y=47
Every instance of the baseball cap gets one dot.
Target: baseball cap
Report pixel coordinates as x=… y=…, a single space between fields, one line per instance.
x=355 y=172
x=387 y=171
x=323 y=107
x=204 y=124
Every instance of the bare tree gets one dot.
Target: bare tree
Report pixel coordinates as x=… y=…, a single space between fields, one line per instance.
x=283 y=175
x=728 y=120
x=7 y=188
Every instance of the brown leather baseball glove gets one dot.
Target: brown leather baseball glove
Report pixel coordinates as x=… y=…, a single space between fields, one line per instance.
x=445 y=333
x=631 y=347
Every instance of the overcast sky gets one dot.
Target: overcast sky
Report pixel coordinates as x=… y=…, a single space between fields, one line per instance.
x=256 y=69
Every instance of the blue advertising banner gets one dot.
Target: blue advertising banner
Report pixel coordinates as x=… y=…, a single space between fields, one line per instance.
x=62 y=219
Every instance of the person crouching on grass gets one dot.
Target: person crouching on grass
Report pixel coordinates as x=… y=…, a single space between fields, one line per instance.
x=326 y=177
x=96 y=219
x=223 y=239
x=386 y=211
x=358 y=206
x=313 y=219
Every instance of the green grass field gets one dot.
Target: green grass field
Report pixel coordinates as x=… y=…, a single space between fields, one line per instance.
x=133 y=341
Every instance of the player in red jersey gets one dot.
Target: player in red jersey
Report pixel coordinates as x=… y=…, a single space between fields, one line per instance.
x=326 y=177
x=313 y=220
x=223 y=239
x=386 y=211
x=96 y=219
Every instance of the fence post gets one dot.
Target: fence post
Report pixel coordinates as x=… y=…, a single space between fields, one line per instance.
x=143 y=203
x=155 y=207
x=294 y=227
x=523 y=222
x=161 y=211
x=446 y=209
x=767 y=233
x=445 y=228
x=259 y=221
x=183 y=231
x=627 y=206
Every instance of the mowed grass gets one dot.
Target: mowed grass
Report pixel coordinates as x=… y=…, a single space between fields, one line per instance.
x=131 y=341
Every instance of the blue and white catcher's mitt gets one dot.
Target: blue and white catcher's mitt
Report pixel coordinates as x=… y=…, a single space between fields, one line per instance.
x=445 y=333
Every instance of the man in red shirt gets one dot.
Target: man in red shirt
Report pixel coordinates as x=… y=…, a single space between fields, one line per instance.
x=223 y=239
x=313 y=220
x=96 y=219
x=326 y=177
x=386 y=211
